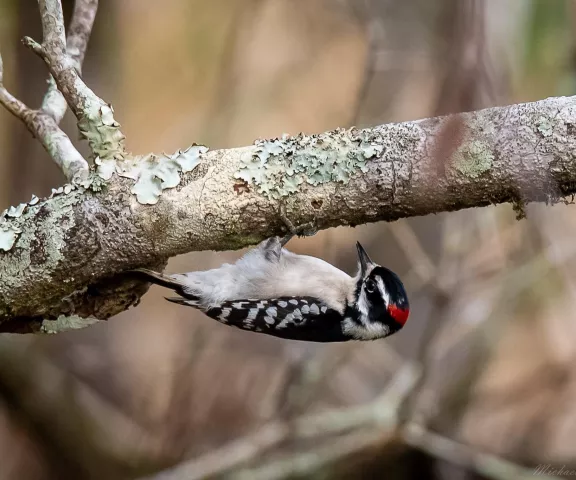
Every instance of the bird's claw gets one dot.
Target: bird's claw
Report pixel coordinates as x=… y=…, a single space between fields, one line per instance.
x=305 y=230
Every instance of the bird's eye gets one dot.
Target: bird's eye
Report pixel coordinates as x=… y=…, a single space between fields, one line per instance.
x=370 y=286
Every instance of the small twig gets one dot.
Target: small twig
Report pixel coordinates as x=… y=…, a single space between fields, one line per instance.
x=46 y=130
x=311 y=373
x=306 y=464
x=381 y=415
x=80 y=29
x=373 y=31
x=486 y=464
x=412 y=247
x=95 y=117
x=54 y=104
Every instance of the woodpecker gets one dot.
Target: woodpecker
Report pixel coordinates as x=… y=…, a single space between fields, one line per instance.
x=274 y=291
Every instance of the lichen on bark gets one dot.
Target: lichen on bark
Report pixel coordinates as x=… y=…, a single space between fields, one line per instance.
x=90 y=235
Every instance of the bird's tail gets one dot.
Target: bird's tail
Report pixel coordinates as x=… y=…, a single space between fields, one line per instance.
x=168 y=282
x=157 y=278
x=190 y=302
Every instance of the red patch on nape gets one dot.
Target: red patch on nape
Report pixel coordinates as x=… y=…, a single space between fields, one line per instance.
x=398 y=314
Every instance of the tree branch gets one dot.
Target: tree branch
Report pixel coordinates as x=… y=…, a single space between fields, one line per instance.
x=59 y=408
x=44 y=128
x=43 y=123
x=95 y=117
x=358 y=427
x=79 y=32
x=229 y=199
x=380 y=416
x=485 y=464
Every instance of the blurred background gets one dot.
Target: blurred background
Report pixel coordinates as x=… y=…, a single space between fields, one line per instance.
x=481 y=382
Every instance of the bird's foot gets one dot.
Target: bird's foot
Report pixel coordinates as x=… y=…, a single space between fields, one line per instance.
x=305 y=230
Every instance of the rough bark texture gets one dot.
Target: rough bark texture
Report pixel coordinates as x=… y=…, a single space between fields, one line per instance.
x=43 y=123
x=70 y=246
x=95 y=118
x=54 y=103
x=45 y=128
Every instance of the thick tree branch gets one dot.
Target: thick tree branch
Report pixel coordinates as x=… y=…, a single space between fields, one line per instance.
x=95 y=117
x=46 y=130
x=230 y=198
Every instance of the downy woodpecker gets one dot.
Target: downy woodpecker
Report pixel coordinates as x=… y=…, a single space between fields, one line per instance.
x=273 y=291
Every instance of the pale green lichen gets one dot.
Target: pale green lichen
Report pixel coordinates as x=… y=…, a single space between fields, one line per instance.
x=36 y=240
x=8 y=235
x=69 y=187
x=16 y=212
x=545 y=126
x=152 y=173
x=95 y=182
x=64 y=323
x=102 y=131
x=473 y=158
x=105 y=168
x=278 y=167
x=9 y=231
x=39 y=249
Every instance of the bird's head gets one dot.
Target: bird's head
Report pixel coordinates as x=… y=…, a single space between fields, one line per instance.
x=380 y=304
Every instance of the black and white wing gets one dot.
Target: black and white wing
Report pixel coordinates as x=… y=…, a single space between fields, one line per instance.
x=294 y=318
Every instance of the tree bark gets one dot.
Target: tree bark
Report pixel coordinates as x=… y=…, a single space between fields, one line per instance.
x=68 y=248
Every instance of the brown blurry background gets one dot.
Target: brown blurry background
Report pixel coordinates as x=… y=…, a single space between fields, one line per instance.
x=493 y=322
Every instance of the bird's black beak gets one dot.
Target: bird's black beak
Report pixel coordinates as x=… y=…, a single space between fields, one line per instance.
x=363 y=259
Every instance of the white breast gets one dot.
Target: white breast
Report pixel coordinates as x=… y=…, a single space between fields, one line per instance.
x=255 y=275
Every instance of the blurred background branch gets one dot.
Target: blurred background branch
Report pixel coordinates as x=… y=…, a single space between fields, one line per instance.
x=160 y=389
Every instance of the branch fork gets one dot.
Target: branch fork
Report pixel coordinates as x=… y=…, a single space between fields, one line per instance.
x=64 y=58
x=94 y=115
x=45 y=128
